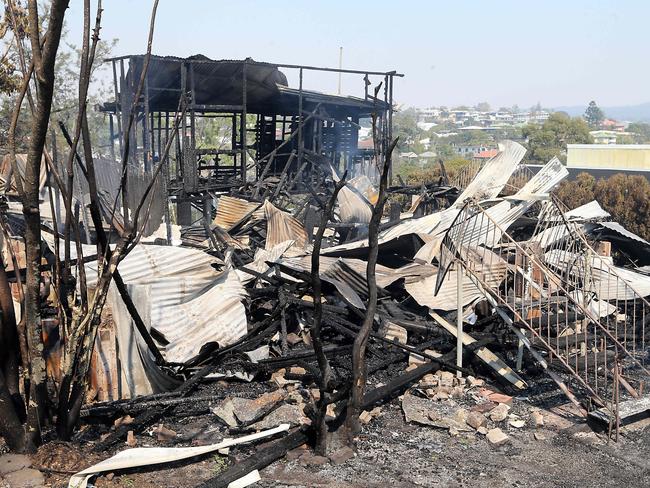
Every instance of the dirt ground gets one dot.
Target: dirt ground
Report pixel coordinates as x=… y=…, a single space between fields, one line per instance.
x=563 y=453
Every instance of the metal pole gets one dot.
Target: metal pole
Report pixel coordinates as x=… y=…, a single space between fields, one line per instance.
x=340 y=66
x=300 y=143
x=147 y=148
x=390 y=125
x=118 y=107
x=459 y=318
x=244 y=114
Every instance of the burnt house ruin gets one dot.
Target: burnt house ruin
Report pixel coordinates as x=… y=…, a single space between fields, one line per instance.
x=274 y=130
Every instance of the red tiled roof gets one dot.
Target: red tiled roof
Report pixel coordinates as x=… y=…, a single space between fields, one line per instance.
x=366 y=143
x=490 y=153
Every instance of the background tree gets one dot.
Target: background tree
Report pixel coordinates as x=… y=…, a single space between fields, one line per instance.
x=405 y=127
x=640 y=132
x=483 y=107
x=67 y=67
x=594 y=115
x=550 y=139
x=626 y=197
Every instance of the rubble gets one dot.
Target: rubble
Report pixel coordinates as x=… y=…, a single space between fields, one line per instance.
x=273 y=285
x=538 y=418
x=475 y=293
x=499 y=413
x=496 y=437
x=476 y=420
x=184 y=291
x=341 y=455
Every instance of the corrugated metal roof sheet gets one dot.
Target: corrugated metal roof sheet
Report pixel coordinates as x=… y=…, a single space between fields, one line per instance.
x=191 y=320
x=609 y=282
x=588 y=211
x=494 y=174
x=177 y=292
x=619 y=229
x=147 y=263
x=355 y=200
x=353 y=208
x=486 y=264
x=421 y=225
x=21 y=163
x=262 y=257
x=231 y=210
x=384 y=275
x=282 y=227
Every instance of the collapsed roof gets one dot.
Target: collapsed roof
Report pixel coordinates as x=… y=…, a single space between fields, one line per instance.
x=218 y=86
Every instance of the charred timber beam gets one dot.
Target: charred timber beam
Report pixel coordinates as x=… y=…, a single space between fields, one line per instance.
x=259 y=459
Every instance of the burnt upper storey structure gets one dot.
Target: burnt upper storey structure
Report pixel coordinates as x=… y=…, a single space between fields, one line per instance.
x=266 y=127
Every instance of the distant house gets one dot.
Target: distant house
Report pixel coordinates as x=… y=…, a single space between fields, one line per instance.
x=367 y=143
x=426 y=143
x=428 y=155
x=485 y=155
x=470 y=150
x=603 y=160
x=408 y=155
x=607 y=136
x=426 y=126
x=611 y=124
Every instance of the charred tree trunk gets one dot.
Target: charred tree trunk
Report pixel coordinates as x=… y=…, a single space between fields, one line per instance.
x=10 y=360
x=361 y=341
x=323 y=363
x=44 y=71
x=85 y=325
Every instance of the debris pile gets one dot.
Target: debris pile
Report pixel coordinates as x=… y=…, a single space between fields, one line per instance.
x=483 y=291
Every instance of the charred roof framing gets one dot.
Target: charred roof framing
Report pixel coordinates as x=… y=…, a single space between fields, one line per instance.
x=293 y=126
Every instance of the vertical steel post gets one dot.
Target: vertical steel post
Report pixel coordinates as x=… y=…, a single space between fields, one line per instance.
x=117 y=106
x=300 y=120
x=243 y=120
x=459 y=318
x=111 y=129
x=146 y=146
x=390 y=125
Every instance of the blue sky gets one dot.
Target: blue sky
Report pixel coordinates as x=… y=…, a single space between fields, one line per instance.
x=451 y=52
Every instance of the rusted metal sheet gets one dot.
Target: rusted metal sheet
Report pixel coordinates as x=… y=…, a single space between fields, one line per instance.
x=231 y=210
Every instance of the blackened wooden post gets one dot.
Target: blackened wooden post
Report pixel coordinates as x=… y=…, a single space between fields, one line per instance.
x=117 y=106
x=243 y=120
x=390 y=124
x=146 y=147
x=300 y=120
x=111 y=128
